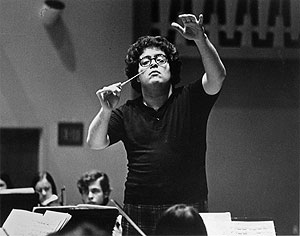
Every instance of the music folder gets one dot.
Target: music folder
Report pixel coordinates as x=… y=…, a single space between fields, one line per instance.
x=18 y=198
x=103 y=217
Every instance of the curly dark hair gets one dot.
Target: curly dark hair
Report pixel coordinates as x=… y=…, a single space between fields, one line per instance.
x=90 y=177
x=136 y=49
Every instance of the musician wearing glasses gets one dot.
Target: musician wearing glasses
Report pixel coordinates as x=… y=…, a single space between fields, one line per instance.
x=163 y=129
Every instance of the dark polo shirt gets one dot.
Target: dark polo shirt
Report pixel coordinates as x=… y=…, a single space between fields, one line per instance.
x=165 y=148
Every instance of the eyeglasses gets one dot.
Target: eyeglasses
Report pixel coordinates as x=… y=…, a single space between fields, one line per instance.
x=159 y=59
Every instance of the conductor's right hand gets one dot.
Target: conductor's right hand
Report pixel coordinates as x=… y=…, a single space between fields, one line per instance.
x=109 y=96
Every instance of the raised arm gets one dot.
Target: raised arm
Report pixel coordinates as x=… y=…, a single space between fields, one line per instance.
x=215 y=72
x=109 y=97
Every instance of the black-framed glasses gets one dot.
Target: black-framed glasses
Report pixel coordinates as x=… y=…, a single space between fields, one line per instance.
x=160 y=59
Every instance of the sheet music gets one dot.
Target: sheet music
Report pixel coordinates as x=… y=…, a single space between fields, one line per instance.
x=217 y=223
x=3 y=232
x=27 y=223
x=79 y=206
x=17 y=191
x=253 y=228
x=93 y=206
x=220 y=224
x=56 y=219
x=19 y=222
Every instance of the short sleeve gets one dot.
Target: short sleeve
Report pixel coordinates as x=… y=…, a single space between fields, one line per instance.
x=116 y=126
x=199 y=97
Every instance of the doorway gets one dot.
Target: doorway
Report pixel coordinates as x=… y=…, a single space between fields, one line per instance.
x=19 y=154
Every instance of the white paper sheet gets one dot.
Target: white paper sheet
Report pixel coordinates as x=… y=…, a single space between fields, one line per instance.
x=253 y=228
x=217 y=224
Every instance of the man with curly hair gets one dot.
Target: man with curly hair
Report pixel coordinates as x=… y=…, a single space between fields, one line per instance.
x=164 y=129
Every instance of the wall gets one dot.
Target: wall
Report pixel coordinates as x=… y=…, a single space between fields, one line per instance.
x=253 y=141
x=253 y=159
x=49 y=76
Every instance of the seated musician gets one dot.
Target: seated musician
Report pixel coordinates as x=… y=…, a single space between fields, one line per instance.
x=95 y=189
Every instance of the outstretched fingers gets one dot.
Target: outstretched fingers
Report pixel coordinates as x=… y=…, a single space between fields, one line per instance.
x=178 y=27
x=187 y=18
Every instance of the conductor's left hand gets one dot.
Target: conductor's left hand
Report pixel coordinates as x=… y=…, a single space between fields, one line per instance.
x=192 y=28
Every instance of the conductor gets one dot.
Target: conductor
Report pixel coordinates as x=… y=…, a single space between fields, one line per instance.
x=164 y=129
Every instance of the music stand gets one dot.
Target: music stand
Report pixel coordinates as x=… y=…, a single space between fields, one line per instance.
x=104 y=218
x=25 y=201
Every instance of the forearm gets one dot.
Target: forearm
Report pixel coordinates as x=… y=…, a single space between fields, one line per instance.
x=97 y=137
x=214 y=69
x=213 y=66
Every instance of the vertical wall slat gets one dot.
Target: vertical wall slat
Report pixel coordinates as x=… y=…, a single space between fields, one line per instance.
x=164 y=9
x=198 y=6
x=295 y=19
x=231 y=7
x=246 y=30
x=253 y=37
x=263 y=13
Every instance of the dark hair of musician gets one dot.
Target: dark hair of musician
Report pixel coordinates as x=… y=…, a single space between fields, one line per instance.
x=90 y=177
x=49 y=178
x=180 y=219
x=5 y=177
